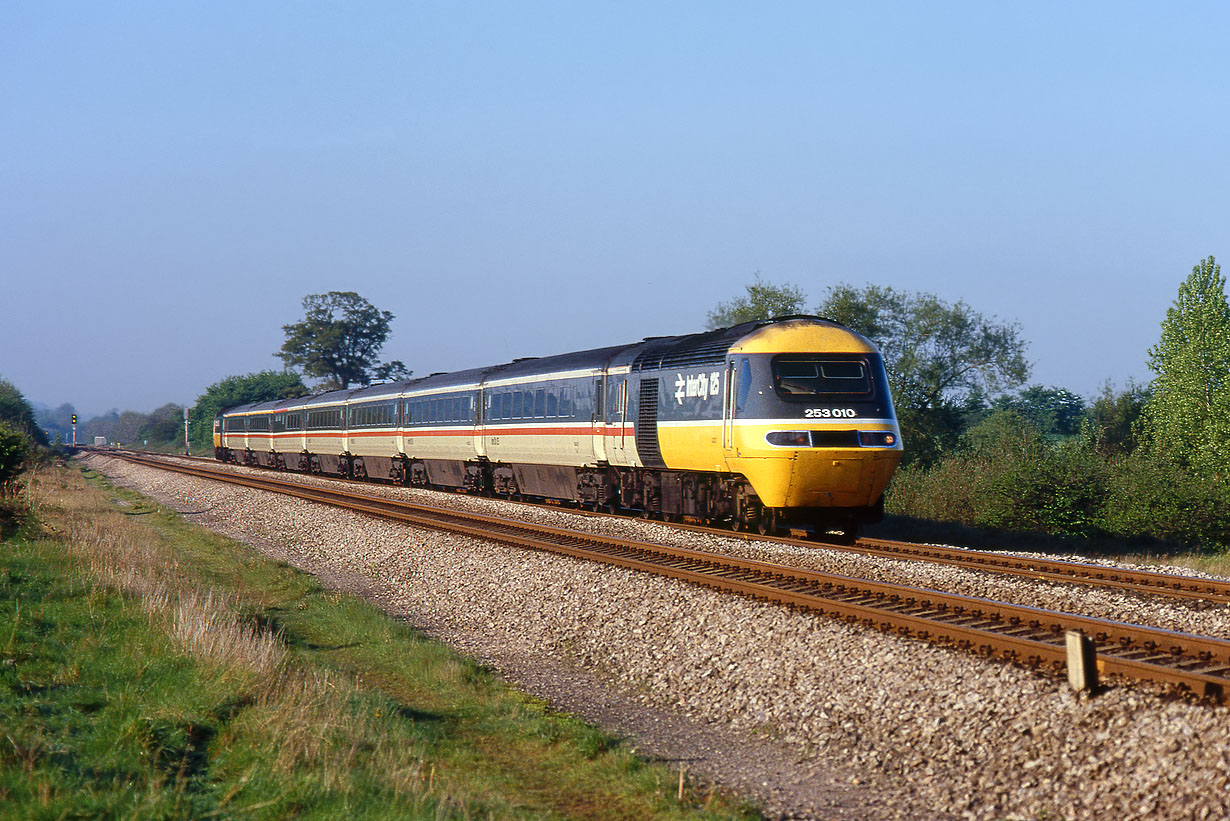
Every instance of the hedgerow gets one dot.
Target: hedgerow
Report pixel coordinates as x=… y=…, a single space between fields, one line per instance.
x=1008 y=476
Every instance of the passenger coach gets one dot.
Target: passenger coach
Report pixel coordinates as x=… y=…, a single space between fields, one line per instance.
x=764 y=424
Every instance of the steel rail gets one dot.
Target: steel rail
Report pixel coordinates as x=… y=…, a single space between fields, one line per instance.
x=1139 y=581
x=1195 y=664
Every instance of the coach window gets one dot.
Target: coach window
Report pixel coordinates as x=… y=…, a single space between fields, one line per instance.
x=517 y=401
x=552 y=404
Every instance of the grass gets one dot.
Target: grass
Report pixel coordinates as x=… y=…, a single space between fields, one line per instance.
x=152 y=669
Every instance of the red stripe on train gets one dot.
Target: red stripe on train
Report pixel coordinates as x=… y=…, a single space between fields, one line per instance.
x=627 y=430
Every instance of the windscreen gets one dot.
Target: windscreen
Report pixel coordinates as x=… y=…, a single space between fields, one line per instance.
x=804 y=377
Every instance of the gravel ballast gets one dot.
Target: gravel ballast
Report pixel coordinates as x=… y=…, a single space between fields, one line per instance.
x=812 y=717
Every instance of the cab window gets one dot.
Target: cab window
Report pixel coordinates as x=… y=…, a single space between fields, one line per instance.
x=807 y=377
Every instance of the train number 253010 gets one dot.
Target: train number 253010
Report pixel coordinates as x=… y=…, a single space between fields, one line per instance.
x=830 y=413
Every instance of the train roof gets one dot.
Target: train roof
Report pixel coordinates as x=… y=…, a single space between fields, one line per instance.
x=650 y=353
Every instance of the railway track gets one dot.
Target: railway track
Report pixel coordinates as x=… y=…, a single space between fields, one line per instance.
x=1192 y=664
x=1144 y=582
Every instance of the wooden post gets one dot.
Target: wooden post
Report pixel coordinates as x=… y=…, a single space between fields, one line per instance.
x=1082 y=661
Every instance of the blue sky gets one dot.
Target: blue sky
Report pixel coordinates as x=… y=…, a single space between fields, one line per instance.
x=516 y=179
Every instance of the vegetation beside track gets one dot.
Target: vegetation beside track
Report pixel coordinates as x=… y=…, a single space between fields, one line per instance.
x=1007 y=477
x=150 y=668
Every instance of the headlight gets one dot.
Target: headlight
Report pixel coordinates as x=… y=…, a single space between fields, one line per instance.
x=877 y=438
x=789 y=438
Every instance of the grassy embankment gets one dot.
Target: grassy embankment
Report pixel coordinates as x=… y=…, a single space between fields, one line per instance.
x=149 y=668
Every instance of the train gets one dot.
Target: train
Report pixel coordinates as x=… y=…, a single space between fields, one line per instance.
x=769 y=425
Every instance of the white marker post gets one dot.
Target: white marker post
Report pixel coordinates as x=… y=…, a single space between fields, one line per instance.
x=186 y=453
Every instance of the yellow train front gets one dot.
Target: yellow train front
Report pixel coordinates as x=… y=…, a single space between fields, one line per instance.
x=793 y=420
x=785 y=422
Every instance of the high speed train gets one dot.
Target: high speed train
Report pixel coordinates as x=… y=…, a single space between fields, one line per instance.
x=771 y=424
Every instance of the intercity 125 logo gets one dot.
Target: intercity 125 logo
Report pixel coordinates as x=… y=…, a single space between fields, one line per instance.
x=697 y=385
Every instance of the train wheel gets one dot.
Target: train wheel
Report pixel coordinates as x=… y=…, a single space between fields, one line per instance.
x=767 y=525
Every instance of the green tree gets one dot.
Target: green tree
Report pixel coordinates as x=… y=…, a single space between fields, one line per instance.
x=938 y=356
x=238 y=390
x=14 y=450
x=339 y=341
x=1054 y=411
x=764 y=300
x=16 y=412
x=1187 y=416
x=164 y=426
x=1111 y=423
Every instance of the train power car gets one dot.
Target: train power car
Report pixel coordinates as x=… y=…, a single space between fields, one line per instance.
x=784 y=422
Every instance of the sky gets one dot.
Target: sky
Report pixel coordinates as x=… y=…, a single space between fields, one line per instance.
x=529 y=178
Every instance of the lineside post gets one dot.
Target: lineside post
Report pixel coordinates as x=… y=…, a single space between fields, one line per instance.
x=1082 y=661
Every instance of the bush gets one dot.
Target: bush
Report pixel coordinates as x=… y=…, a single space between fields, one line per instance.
x=1007 y=476
x=1150 y=496
x=14 y=451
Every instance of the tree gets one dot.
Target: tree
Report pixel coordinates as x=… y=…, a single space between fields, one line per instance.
x=238 y=390
x=164 y=426
x=1187 y=415
x=59 y=422
x=1111 y=424
x=763 y=301
x=16 y=412
x=1054 y=411
x=339 y=340
x=14 y=449
x=938 y=356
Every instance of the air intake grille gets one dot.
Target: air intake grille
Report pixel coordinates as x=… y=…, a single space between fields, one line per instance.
x=647 y=425
x=713 y=353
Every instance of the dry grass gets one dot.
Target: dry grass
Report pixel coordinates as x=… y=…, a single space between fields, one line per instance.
x=309 y=717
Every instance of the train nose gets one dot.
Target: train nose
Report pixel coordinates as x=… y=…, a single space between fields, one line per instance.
x=828 y=480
